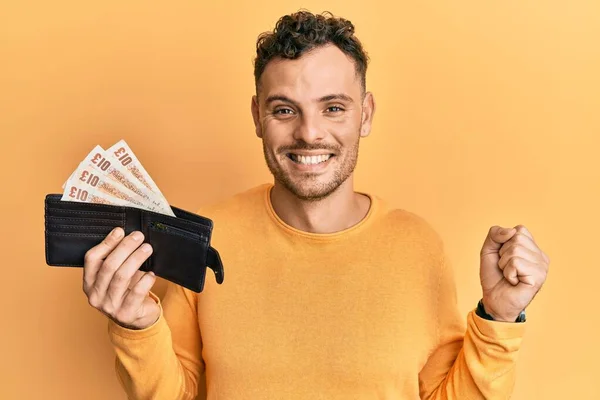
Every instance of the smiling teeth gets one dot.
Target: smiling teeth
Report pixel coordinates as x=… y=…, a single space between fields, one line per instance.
x=309 y=160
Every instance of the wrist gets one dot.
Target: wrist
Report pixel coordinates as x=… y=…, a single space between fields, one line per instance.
x=484 y=313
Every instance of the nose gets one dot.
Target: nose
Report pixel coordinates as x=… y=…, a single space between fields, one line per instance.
x=308 y=129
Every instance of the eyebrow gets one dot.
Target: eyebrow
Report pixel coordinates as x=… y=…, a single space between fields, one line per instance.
x=329 y=97
x=338 y=96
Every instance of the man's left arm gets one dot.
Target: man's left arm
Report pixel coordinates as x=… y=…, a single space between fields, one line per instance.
x=481 y=364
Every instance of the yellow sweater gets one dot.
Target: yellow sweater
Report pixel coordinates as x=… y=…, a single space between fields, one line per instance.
x=366 y=313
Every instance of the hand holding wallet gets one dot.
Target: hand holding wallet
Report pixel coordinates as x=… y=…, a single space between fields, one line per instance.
x=181 y=244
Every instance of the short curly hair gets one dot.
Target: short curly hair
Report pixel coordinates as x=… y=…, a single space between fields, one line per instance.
x=300 y=32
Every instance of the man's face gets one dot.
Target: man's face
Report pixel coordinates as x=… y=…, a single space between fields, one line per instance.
x=310 y=114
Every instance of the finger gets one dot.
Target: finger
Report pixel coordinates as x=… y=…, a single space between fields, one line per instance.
x=546 y=257
x=521 y=240
x=95 y=256
x=497 y=235
x=136 y=296
x=114 y=261
x=522 y=229
x=522 y=271
x=135 y=278
x=523 y=248
x=511 y=274
x=120 y=281
x=520 y=253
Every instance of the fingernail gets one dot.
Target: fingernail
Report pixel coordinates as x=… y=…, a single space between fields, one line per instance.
x=146 y=248
x=117 y=233
x=137 y=236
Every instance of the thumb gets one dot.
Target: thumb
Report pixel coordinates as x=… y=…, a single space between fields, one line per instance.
x=495 y=238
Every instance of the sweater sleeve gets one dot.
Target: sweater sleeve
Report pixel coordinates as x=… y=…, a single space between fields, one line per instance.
x=164 y=360
x=478 y=363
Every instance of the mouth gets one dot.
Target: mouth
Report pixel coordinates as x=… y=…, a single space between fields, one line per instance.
x=309 y=159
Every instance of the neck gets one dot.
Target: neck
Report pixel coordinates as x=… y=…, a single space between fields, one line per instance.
x=340 y=210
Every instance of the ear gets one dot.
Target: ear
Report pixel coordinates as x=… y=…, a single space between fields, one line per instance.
x=256 y=116
x=368 y=110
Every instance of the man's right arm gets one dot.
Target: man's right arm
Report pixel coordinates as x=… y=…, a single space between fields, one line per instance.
x=164 y=360
x=155 y=360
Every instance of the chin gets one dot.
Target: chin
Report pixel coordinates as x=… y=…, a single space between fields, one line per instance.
x=310 y=191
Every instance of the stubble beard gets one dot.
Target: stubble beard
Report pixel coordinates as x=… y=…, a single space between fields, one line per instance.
x=308 y=186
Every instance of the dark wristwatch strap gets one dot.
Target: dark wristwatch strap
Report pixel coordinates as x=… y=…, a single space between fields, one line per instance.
x=480 y=311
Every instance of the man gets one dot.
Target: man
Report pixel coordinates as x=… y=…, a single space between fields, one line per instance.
x=329 y=293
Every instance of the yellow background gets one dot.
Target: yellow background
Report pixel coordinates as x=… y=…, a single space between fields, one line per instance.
x=488 y=113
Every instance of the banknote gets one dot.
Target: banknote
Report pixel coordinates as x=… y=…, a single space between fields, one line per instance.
x=123 y=153
x=89 y=176
x=117 y=178
x=80 y=194
x=110 y=166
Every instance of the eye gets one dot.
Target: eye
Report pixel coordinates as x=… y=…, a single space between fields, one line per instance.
x=283 y=111
x=335 y=109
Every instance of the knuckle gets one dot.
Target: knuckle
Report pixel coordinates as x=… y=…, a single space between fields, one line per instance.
x=89 y=256
x=143 y=255
x=94 y=301
x=110 y=266
x=139 y=256
x=506 y=252
x=533 y=282
x=135 y=237
x=108 y=309
x=518 y=261
x=110 y=240
x=120 y=277
x=88 y=283
x=107 y=242
x=520 y=238
x=138 y=290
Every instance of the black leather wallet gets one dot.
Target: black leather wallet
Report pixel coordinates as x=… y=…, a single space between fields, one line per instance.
x=181 y=244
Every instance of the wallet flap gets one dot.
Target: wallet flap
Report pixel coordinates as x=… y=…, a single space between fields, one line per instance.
x=213 y=261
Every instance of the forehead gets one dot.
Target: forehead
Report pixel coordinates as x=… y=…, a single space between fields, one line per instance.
x=322 y=71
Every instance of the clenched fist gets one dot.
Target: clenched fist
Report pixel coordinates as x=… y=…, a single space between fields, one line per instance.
x=113 y=283
x=513 y=269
